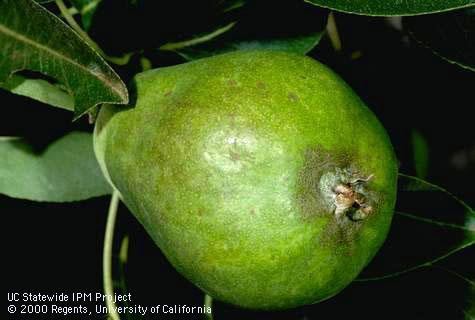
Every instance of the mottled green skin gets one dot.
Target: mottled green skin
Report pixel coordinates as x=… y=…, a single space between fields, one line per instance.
x=217 y=159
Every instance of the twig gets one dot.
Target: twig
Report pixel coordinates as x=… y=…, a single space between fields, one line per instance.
x=208 y=304
x=333 y=34
x=107 y=255
x=70 y=20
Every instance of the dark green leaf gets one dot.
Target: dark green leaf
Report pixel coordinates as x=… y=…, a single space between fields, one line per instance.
x=86 y=9
x=420 y=152
x=40 y=90
x=449 y=35
x=392 y=7
x=66 y=171
x=289 y=26
x=32 y=38
x=429 y=225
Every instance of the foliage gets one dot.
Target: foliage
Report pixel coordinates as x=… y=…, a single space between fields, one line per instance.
x=66 y=171
x=34 y=39
x=46 y=56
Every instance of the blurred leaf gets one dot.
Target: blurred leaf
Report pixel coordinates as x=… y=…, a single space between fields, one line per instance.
x=450 y=35
x=40 y=90
x=469 y=312
x=201 y=38
x=392 y=7
x=428 y=294
x=469 y=303
x=66 y=171
x=420 y=152
x=289 y=26
x=429 y=225
x=86 y=9
x=32 y=38
x=123 y=256
x=229 y=5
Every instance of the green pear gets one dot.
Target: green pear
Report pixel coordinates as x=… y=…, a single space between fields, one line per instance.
x=261 y=175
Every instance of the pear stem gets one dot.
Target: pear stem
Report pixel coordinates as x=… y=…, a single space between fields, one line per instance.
x=107 y=255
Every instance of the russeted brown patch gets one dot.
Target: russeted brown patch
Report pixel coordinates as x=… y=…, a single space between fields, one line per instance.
x=312 y=203
x=317 y=162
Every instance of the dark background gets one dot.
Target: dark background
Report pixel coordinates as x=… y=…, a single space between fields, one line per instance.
x=58 y=247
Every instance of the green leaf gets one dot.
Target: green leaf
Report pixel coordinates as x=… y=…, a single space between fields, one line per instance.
x=392 y=7
x=40 y=90
x=449 y=35
x=420 y=152
x=66 y=171
x=32 y=38
x=86 y=9
x=429 y=225
x=289 y=26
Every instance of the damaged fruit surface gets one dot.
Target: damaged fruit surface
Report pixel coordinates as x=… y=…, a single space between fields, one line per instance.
x=262 y=176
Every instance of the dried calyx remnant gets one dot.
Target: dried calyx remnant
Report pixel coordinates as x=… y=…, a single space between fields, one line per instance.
x=346 y=194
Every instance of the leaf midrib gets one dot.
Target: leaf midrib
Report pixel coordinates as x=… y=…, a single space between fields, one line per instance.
x=396 y=14
x=21 y=38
